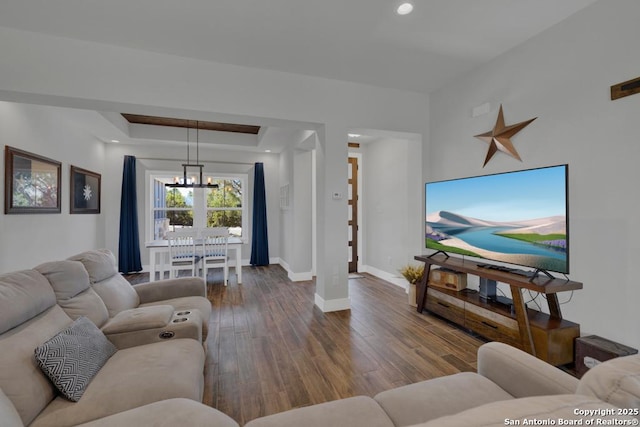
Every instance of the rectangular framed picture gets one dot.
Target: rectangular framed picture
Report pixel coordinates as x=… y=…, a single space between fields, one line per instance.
x=31 y=183
x=85 y=191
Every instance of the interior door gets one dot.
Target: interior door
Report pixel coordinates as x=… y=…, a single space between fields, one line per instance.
x=353 y=214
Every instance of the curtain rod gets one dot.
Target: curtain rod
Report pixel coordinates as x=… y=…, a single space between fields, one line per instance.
x=201 y=161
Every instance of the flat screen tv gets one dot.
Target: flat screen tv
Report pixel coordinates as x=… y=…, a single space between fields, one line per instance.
x=516 y=217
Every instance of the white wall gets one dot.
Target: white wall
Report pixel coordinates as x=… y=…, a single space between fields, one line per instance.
x=563 y=77
x=392 y=205
x=296 y=219
x=302 y=224
x=285 y=216
x=30 y=239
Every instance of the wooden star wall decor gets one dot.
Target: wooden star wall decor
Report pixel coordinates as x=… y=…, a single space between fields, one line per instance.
x=499 y=137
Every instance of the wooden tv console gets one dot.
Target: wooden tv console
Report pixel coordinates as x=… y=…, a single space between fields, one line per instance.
x=546 y=336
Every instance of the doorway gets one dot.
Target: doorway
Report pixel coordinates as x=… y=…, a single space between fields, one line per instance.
x=353 y=213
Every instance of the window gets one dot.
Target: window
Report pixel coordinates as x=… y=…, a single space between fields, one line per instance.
x=224 y=205
x=175 y=208
x=179 y=206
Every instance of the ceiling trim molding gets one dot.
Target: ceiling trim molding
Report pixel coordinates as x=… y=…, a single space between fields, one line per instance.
x=191 y=124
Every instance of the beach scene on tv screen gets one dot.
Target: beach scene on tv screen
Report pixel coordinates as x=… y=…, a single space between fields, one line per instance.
x=517 y=217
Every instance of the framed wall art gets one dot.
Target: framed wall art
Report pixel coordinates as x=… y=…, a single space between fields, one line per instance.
x=31 y=183
x=85 y=191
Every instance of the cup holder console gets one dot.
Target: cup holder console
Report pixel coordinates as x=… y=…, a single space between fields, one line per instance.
x=186 y=323
x=165 y=335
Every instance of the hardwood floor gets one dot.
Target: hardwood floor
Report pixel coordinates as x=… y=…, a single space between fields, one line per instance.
x=270 y=349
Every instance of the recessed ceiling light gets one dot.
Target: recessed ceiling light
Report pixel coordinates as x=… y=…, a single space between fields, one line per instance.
x=354 y=135
x=115 y=140
x=267 y=151
x=404 y=9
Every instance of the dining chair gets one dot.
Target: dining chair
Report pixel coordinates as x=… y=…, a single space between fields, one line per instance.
x=215 y=250
x=182 y=251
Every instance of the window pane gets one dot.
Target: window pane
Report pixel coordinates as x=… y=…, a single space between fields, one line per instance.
x=159 y=194
x=226 y=218
x=179 y=198
x=227 y=195
x=179 y=219
x=170 y=220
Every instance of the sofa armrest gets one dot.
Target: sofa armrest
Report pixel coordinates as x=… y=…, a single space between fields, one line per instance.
x=137 y=319
x=521 y=374
x=145 y=325
x=170 y=288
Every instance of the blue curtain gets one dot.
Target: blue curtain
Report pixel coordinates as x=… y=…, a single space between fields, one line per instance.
x=260 y=240
x=129 y=245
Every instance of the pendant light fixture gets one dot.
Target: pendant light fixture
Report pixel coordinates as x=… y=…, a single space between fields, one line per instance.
x=195 y=182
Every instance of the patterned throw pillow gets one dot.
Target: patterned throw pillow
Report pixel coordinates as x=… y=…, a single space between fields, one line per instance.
x=74 y=356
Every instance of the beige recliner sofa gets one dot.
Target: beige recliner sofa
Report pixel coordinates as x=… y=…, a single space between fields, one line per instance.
x=88 y=284
x=162 y=380
x=182 y=294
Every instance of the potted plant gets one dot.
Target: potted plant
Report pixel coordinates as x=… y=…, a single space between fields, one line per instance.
x=413 y=274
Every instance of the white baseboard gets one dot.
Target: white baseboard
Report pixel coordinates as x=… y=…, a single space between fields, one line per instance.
x=284 y=264
x=333 y=304
x=391 y=278
x=295 y=277
x=300 y=277
x=247 y=262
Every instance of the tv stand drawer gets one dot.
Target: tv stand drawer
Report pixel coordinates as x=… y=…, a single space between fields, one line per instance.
x=491 y=324
x=445 y=306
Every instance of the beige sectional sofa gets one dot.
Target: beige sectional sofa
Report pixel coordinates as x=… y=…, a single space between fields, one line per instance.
x=131 y=378
x=146 y=382
x=509 y=387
